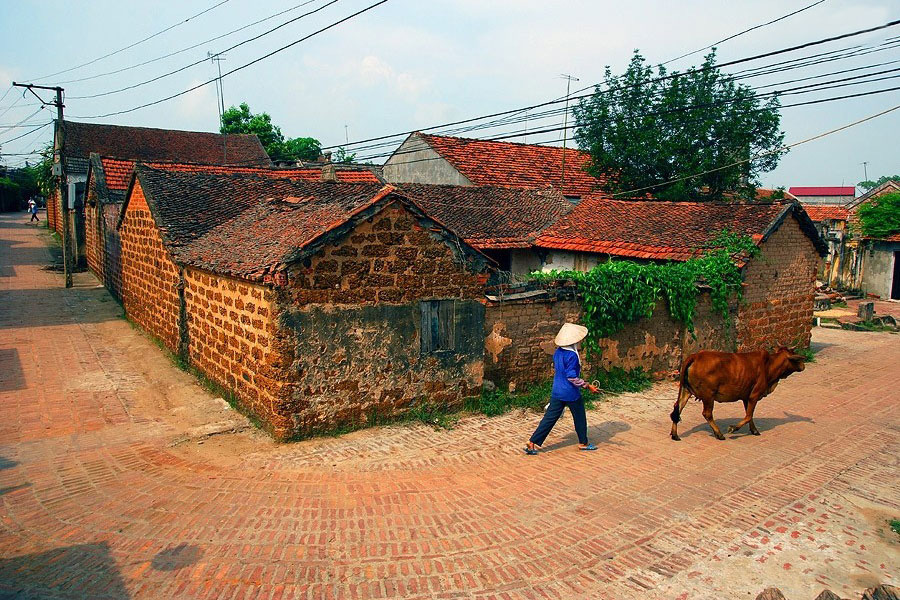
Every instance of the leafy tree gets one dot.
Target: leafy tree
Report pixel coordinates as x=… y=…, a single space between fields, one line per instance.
x=868 y=184
x=341 y=155
x=647 y=128
x=239 y=119
x=880 y=216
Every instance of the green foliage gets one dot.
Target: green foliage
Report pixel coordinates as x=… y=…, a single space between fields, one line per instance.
x=618 y=292
x=239 y=119
x=498 y=402
x=895 y=525
x=808 y=354
x=617 y=380
x=649 y=127
x=880 y=216
x=343 y=156
x=869 y=184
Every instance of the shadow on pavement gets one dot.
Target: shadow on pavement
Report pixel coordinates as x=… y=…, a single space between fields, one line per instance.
x=172 y=559
x=597 y=434
x=762 y=423
x=81 y=571
x=5 y=463
x=11 y=375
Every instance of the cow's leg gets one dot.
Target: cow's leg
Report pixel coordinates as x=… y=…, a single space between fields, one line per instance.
x=748 y=417
x=708 y=415
x=683 y=396
x=750 y=408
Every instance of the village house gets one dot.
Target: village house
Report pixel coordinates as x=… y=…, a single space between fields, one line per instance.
x=315 y=304
x=79 y=140
x=824 y=195
x=831 y=223
x=877 y=265
x=107 y=182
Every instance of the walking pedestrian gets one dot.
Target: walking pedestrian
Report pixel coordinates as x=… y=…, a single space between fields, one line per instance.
x=33 y=209
x=567 y=386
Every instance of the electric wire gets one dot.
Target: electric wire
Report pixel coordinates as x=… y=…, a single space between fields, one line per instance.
x=141 y=41
x=244 y=66
x=203 y=60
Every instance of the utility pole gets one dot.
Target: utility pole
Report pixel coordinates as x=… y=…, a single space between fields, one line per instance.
x=63 y=181
x=220 y=92
x=569 y=79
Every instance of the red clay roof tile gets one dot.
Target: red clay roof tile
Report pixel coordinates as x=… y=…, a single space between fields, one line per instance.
x=821 y=213
x=508 y=164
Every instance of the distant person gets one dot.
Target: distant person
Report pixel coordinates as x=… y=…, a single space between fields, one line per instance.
x=33 y=209
x=567 y=386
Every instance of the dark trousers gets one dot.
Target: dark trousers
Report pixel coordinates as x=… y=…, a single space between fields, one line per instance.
x=34 y=217
x=554 y=411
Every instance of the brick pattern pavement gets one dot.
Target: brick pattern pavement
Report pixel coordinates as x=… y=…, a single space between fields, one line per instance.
x=99 y=497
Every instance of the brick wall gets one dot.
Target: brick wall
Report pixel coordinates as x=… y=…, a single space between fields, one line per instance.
x=93 y=232
x=519 y=339
x=355 y=317
x=150 y=278
x=53 y=212
x=390 y=259
x=777 y=309
x=111 y=248
x=235 y=340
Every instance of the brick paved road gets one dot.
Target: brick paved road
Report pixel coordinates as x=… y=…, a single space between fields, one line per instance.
x=106 y=492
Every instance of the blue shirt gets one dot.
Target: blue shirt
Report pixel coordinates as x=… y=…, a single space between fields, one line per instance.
x=566 y=366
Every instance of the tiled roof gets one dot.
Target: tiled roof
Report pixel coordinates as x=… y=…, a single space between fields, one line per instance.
x=507 y=164
x=250 y=224
x=118 y=172
x=822 y=213
x=147 y=144
x=490 y=217
x=823 y=191
x=663 y=230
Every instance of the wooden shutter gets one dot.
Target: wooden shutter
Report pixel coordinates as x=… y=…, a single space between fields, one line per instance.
x=438 y=326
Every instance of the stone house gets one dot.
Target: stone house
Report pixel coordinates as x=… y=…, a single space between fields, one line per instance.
x=135 y=144
x=877 y=265
x=107 y=182
x=832 y=225
x=315 y=304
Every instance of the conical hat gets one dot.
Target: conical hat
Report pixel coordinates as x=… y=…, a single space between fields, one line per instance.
x=570 y=333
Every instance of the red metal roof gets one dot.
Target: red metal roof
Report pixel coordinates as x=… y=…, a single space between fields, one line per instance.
x=507 y=164
x=823 y=191
x=822 y=213
x=656 y=230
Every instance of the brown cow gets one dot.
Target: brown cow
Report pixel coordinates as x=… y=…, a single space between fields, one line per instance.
x=728 y=377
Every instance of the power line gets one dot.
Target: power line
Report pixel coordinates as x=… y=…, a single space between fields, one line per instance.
x=176 y=52
x=141 y=41
x=761 y=154
x=662 y=78
x=244 y=66
x=27 y=133
x=202 y=60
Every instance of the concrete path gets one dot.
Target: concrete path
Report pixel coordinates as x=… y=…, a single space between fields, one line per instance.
x=120 y=477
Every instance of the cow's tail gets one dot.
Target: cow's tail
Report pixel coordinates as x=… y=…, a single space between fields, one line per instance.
x=684 y=389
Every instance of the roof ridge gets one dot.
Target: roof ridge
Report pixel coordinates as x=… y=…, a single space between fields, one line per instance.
x=465 y=139
x=83 y=124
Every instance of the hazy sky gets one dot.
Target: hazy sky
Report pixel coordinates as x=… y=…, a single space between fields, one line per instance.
x=411 y=64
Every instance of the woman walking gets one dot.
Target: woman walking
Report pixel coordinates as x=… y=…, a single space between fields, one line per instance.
x=567 y=385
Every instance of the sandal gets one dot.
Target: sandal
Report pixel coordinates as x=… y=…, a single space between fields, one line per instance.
x=588 y=447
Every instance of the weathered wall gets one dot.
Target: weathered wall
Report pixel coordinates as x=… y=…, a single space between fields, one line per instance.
x=93 y=232
x=150 y=278
x=111 y=247
x=519 y=339
x=878 y=267
x=53 y=212
x=777 y=309
x=355 y=316
x=233 y=338
x=416 y=162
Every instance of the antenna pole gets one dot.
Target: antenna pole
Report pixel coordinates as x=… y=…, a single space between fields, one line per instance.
x=569 y=79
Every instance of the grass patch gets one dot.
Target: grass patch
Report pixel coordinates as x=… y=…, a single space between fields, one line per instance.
x=840 y=304
x=874 y=326
x=895 y=525
x=617 y=380
x=809 y=356
x=498 y=402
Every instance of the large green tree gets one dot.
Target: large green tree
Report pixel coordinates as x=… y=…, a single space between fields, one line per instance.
x=239 y=119
x=880 y=216
x=666 y=131
x=869 y=184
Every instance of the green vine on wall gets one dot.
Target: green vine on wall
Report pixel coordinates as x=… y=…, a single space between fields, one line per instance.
x=618 y=292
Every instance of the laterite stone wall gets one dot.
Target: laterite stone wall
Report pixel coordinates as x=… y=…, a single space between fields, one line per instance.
x=111 y=247
x=355 y=318
x=519 y=338
x=150 y=278
x=235 y=340
x=777 y=309
x=93 y=236
x=53 y=212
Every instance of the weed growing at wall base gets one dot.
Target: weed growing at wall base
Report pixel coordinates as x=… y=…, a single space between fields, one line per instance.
x=618 y=292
